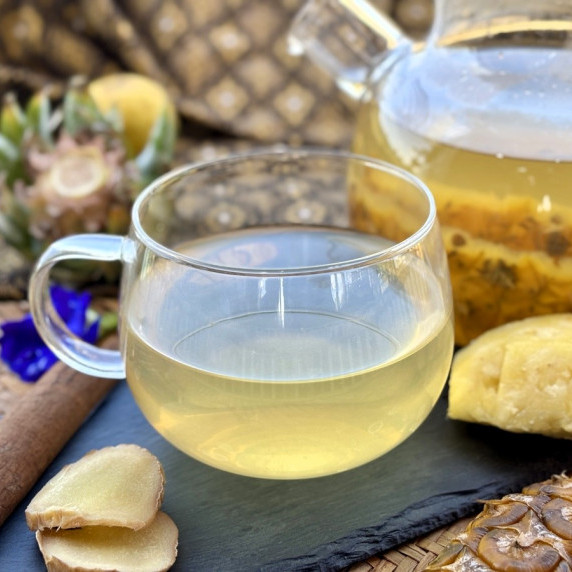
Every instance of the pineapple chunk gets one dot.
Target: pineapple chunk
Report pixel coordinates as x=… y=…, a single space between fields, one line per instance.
x=517 y=377
x=101 y=548
x=114 y=486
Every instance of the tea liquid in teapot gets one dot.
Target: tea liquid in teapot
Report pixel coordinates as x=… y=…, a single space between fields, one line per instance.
x=482 y=114
x=496 y=153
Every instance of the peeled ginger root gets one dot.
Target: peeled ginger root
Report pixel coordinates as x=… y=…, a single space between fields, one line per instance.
x=517 y=377
x=150 y=549
x=114 y=486
x=101 y=514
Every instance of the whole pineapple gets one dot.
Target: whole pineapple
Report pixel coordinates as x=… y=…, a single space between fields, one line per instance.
x=68 y=170
x=525 y=532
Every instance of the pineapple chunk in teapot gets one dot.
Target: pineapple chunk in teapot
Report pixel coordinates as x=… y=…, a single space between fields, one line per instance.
x=481 y=111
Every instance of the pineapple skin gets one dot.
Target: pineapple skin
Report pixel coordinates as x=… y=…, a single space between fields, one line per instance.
x=529 y=531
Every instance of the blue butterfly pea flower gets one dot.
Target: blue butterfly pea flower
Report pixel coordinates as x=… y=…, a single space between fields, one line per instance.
x=22 y=348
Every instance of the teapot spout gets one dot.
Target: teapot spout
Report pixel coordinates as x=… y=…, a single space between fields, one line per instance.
x=346 y=38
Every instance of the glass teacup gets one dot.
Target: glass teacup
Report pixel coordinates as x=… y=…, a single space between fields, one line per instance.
x=261 y=333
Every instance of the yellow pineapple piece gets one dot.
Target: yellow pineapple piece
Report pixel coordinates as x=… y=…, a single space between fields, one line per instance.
x=101 y=548
x=528 y=531
x=509 y=258
x=113 y=486
x=494 y=285
x=517 y=377
x=513 y=221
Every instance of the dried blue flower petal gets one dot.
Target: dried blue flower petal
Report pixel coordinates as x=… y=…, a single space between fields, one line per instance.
x=22 y=348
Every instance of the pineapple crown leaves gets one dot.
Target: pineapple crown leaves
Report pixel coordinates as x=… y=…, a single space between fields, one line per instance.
x=68 y=168
x=78 y=115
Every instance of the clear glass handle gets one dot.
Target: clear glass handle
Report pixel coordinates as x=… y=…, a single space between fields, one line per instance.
x=69 y=348
x=346 y=38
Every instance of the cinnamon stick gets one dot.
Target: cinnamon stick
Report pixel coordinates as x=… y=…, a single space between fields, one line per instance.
x=40 y=423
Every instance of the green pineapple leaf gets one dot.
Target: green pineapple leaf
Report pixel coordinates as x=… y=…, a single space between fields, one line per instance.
x=80 y=111
x=157 y=154
x=39 y=116
x=12 y=208
x=8 y=152
x=13 y=234
x=11 y=163
x=14 y=221
x=13 y=120
x=115 y=120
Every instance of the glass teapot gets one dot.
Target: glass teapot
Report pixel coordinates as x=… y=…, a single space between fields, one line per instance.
x=481 y=111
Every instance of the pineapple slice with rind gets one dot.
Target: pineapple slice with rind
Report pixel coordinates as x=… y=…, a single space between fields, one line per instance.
x=517 y=377
x=114 y=486
x=100 y=548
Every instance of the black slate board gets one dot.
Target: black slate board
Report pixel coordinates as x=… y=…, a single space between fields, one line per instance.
x=234 y=523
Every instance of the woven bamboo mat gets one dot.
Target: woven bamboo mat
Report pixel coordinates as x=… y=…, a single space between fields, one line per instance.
x=410 y=557
x=414 y=556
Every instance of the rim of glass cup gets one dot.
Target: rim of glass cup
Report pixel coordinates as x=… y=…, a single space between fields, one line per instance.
x=275 y=153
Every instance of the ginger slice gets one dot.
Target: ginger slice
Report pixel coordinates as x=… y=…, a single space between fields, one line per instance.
x=102 y=548
x=113 y=486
